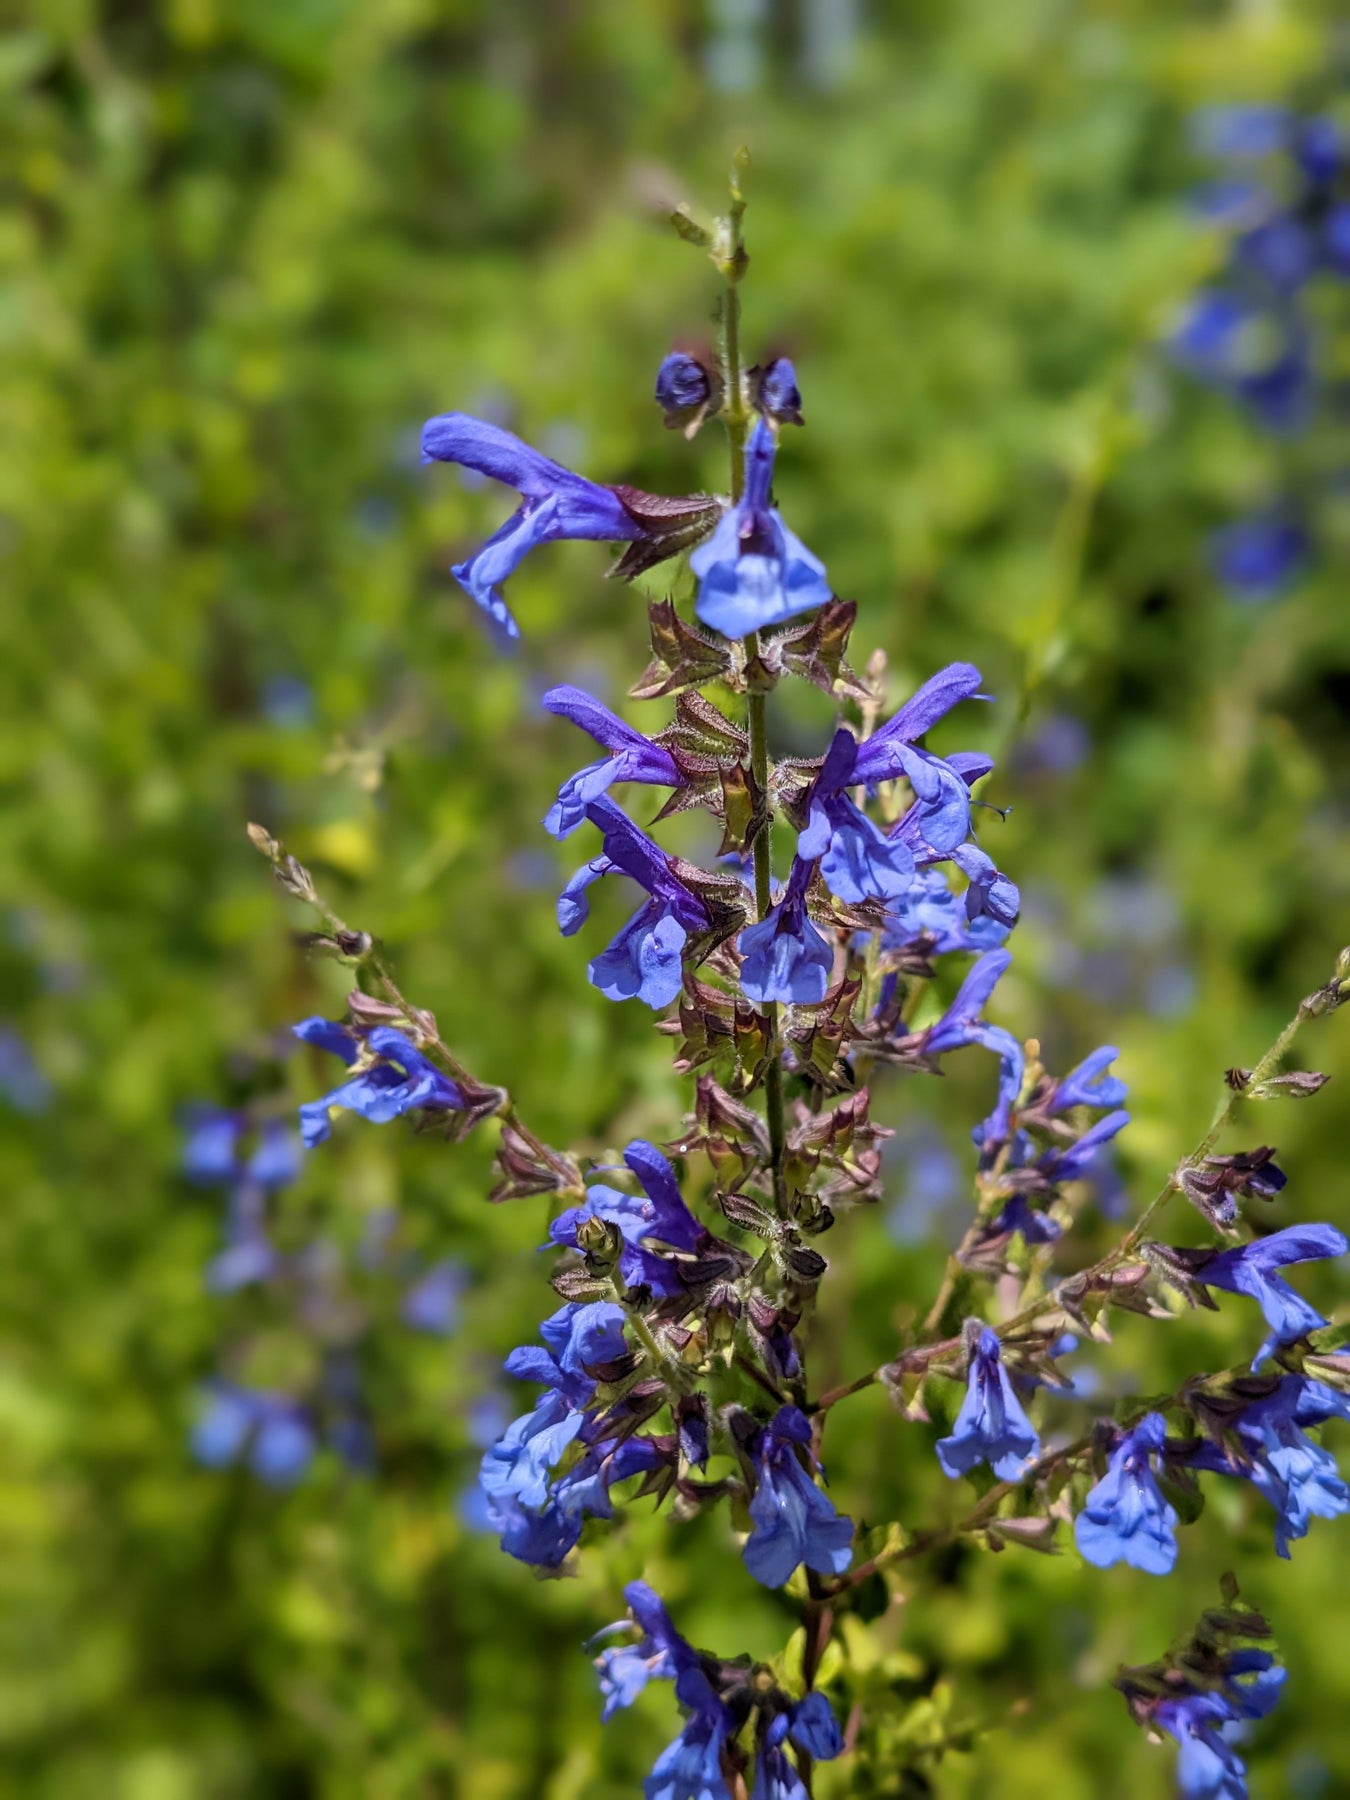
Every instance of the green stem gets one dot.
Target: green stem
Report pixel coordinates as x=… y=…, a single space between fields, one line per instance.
x=736 y=420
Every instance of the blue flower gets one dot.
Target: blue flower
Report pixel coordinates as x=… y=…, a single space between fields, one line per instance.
x=276 y=1434
x=784 y=957
x=555 y=504
x=776 y=392
x=401 y=1080
x=991 y=1426
x=690 y=1768
x=812 y=1729
x=858 y=861
x=1257 y=558
x=930 y=909
x=794 y=1522
x=1089 y=1084
x=1262 y=356
x=941 y=784
x=1297 y=1476
x=775 y=1776
x=1250 y=129
x=249 y=1254
x=660 y=1654
x=961 y=1025
x=1076 y=1161
x=1319 y=148
x=645 y=961
x=211 y=1154
x=431 y=1304
x=1208 y=1767
x=1253 y=1270
x=659 y=1214
x=632 y=757
x=1125 y=1517
x=539 y=1517
x=753 y=571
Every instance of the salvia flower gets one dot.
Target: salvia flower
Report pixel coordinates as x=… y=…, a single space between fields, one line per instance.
x=858 y=861
x=658 y=1214
x=991 y=1426
x=1268 y=1446
x=1075 y=1161
x=794 y=1523
x=555 y=505
x=537 y=1513
x=645 y=961
x=941 y=785
x=632 y=757
x=1253 y=1269
x=660 y=1653
x=249 y=1254
x=690 y=1768
x=931 y=910
x=431 y=1304
x=1208 y=1766
x=1125 y=1518
x=810 y=1728
x=1090 y=1084
x=961 y=1025
x=785 y=958
x=753 y=571
x=392 y=1078
x=212 y=1155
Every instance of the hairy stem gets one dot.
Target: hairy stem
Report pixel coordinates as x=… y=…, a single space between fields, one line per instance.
x=736 y=420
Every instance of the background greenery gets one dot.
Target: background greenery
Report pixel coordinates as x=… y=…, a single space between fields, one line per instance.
x=246 y=249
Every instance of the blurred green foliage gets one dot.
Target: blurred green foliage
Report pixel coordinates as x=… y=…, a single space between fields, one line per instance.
x=246 y=249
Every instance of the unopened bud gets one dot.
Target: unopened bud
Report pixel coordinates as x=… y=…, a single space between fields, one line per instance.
x=774 y=392
x=687 y=390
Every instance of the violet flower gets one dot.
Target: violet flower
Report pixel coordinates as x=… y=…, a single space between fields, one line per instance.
x=793 y=1520
x=645 y=960
x=555 y=504
x=1253 y=1269
x=632 y=757
x=753 y=571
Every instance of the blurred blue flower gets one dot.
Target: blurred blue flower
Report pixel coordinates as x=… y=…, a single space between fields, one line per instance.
x=1257 y=558
x=1208 y=1767
x=275 y=1434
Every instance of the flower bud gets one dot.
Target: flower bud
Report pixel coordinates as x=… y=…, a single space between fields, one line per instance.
x=687 y=390
x=774 y=391
x=598 y=1240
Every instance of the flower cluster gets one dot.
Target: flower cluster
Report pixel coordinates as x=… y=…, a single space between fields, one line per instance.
x=277 y=1429
x=1283 y=198
x=1217 y=1680
x=734 y=1712
x=853 y=926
